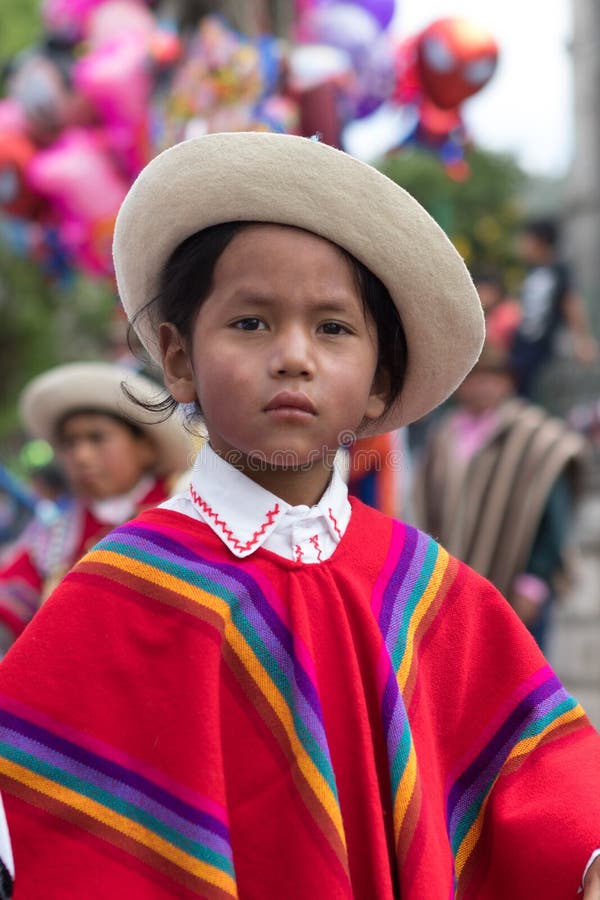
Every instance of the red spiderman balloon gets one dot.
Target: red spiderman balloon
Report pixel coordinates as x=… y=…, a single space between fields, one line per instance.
x=436 y=70
x=455 y=58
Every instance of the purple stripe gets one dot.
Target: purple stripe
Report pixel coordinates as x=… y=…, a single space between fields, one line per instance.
x=394 y=714
x=393 y=586
x=506 y=735
x=53 y=742
x=236 y=581
x=412 y=573
x=116 y=787
x=487 y=775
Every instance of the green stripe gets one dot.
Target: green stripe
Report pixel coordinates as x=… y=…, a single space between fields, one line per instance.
x=279 y=678
x=178 y=570
x=417 y=592
x=308 y=741
x=400 y=759
x=128 y=810
x=538 y=725
x=533 y=729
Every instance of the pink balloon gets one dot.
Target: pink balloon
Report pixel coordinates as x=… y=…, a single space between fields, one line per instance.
x=12 y=116
x=120 y=19
x=115 y=80
x=84 y=192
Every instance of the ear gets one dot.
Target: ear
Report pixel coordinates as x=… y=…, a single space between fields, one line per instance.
x=378 y=397
x=176 y=364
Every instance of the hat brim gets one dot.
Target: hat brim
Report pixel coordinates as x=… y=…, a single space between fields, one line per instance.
x=51 y=396
x=296 y=181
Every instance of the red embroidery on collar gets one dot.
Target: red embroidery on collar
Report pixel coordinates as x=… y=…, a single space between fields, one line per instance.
x=314 y=540
x=225 y=528
x=298 y=553
x=335 y=524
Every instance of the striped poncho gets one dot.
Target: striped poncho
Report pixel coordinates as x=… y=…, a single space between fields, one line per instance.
x=179 y=723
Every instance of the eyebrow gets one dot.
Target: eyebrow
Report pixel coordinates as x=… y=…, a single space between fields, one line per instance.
x=329 y=304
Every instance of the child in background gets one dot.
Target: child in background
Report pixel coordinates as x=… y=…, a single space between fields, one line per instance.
x=261 y=689
x=115 y=465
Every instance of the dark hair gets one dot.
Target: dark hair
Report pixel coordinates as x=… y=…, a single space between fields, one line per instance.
x=135 y=429
x=489 y=275
x=187 y=279
x=545 y=230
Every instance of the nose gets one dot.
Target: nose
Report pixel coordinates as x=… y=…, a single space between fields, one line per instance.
x=79 y=453
x=293 y=353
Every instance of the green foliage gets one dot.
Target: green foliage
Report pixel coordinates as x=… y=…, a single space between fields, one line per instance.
x=20 y=26
x=481 y=214
x=44 y=325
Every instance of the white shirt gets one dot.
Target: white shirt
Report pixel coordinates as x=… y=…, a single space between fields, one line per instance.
x=246 y=516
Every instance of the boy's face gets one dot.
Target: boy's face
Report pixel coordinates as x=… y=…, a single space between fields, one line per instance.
x=101 y=456
x=282 y=358
x=483 y=390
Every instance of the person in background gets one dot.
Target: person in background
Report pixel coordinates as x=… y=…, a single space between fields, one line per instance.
x=497 y=484
x=549 y=301
x=379 y=472
x=115 y=464
x=502 y=313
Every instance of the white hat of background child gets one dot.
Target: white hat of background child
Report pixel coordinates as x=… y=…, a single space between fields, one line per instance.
x=296 y=181
x=97 y=386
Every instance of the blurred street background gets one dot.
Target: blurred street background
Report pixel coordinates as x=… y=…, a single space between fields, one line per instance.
x=487 y=113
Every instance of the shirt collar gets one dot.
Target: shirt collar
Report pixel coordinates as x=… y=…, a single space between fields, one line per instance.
x=243 y=514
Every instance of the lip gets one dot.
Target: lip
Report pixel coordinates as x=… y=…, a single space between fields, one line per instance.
x=291 y=400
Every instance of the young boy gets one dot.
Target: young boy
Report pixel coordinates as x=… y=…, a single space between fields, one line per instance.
x=115 y=465
x=278 y=692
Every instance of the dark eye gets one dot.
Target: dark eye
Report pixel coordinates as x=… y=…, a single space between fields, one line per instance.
x=334 y=328
x=250 y=323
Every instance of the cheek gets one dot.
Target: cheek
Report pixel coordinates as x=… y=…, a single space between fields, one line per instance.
x=223 y=381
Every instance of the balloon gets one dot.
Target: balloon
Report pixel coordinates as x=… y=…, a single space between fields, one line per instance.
x=12 y=116
x=84 y=192
x=375 y=78
x=314 y=64
x=67 y=18
x=455 y=59
x=40 y=88
x=115 y=80
x=16 y=195
x=381 y=10
x=341 y=25
x=119 y=19
x=353 y=30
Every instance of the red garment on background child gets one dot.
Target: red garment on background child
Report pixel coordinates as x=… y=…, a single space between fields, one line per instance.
x=46 y=552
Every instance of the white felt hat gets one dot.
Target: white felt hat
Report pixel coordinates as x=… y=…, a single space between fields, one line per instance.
x=97 y=386
x=296 y=181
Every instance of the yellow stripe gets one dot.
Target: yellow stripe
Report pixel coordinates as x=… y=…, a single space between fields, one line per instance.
x=527 y=745
x=163 y=579
x=123 y=825
x=315 y=780
x=420 y=611
x=278 y=704
x=405 y=791
x=530 y=743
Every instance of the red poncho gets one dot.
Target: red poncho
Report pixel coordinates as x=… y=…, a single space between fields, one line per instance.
x=179 y=723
